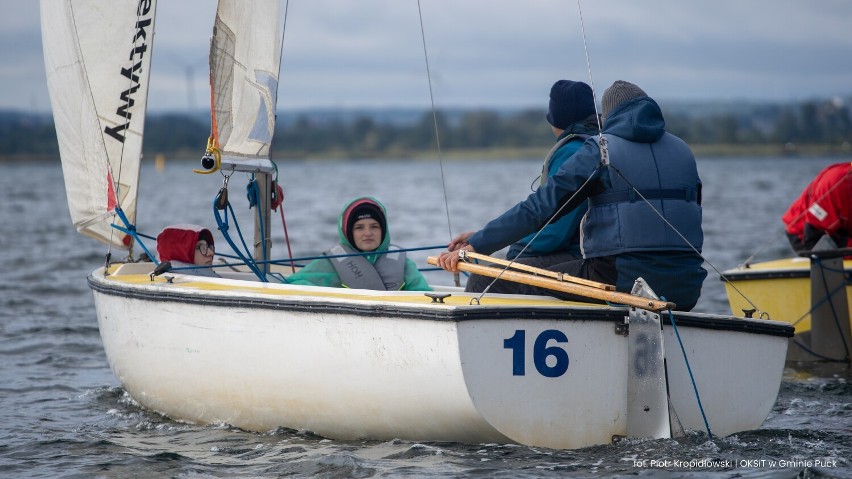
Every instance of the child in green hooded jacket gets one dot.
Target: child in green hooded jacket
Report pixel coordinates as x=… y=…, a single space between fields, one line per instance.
x=362 y=226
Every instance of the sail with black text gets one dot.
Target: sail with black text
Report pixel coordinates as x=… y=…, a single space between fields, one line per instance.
x=97 y=57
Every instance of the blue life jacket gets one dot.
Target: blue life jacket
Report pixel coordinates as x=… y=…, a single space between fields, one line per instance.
x=620 y=221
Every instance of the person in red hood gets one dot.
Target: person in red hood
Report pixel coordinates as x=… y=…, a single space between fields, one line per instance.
x=185 y=246
x=823 y=208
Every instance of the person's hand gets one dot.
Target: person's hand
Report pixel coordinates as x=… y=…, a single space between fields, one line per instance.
x=450 y=259
x=459 y=241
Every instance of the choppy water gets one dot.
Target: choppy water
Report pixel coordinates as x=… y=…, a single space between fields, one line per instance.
x=62 y=413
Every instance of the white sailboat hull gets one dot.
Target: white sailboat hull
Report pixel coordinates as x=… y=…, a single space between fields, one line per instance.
x=351 y=364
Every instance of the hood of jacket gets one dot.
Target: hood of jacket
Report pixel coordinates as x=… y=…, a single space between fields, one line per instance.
x=177 y=242
x=639 y=120
x=343 y=220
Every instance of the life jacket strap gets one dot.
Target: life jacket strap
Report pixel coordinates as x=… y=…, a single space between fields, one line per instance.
x=631 y=196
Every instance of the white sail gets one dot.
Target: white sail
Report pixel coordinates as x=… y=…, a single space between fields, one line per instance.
x=97 y=56
x=245 y=54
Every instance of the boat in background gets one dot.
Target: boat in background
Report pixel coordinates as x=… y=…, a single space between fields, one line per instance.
x=350 y=363
x=813 y=293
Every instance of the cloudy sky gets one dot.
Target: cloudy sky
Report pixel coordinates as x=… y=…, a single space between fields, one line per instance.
x=489 y=53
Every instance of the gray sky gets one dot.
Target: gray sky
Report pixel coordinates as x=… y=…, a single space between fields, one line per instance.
x=489 y=53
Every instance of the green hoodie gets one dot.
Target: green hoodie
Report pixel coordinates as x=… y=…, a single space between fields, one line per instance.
x=321 y=272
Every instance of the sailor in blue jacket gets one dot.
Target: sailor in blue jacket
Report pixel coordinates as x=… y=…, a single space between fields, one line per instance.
x=644 y=217
x=572 y=118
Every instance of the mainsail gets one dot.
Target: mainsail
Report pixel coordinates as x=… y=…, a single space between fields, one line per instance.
x=245 y=54
x=97 y=56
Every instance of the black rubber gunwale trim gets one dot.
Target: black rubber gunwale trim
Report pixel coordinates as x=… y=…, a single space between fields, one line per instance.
x=766 y=274
x=452 y=313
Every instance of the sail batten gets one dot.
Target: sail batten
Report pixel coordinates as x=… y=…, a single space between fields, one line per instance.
x=97 y=57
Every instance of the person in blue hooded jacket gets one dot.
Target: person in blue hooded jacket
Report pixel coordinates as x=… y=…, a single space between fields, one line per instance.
x=644 y=200
x=363 y=228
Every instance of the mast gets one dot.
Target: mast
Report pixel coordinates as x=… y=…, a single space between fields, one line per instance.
x=245 y=58
x=262 y=229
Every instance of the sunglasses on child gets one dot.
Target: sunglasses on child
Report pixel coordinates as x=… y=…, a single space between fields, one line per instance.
x=203 y=247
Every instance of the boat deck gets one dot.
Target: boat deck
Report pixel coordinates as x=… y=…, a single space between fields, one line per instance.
x=236 y=282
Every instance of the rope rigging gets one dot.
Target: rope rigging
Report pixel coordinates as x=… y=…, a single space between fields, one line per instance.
x=456 y=278
x=835 y=315
x=221 y=203
x=691 y=376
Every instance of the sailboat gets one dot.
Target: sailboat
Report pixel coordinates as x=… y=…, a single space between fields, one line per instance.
x=349 y=363
x=812 y=292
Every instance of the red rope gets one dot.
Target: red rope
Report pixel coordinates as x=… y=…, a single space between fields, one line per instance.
x=279 y=202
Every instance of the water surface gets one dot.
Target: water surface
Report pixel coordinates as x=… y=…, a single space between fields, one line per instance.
x=64 y=415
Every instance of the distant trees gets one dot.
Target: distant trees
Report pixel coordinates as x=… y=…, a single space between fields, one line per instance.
x=807 y=123
x=27 y=135
x=175 y=134
x=385 y=134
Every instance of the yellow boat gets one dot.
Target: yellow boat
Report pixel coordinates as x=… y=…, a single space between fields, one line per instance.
x=781 y=290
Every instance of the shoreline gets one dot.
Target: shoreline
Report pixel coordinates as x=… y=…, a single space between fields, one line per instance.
x=705 y=151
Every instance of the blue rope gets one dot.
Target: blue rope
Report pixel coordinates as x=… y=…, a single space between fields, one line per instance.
x=277 y=276
x=152 y=238
x=195 y=266
x=248 y=258
x=253 y=193
x=689 y=369
x=310 y=258
x=131 y=230
x=223 y=227
x=248 y=254
x=359 y=253
x=280 y=277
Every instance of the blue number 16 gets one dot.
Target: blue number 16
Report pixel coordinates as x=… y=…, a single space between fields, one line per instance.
x=541 y=351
